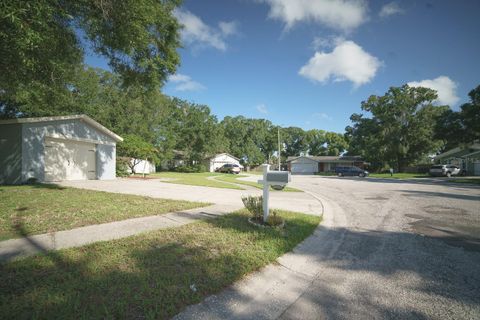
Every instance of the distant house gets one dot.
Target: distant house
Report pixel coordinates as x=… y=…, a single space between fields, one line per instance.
x=56 y=148
x=466 y=157
x=141 y=166
x=177 y=161
x=314 y=164
x=216 y=161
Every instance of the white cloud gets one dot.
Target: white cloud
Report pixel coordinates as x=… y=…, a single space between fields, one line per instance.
x=197 y=33
x=185 y=83
x=446 y=89
x=347 y=62
x=228 y=28
x=262 y=108
x=390 y=9
x=342 y=15
x=322 y=116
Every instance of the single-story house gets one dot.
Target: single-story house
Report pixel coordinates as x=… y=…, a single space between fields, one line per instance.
x=56 y=148
x=177 y=161
x=216 y=161
x=465 y=157
x=314 y=164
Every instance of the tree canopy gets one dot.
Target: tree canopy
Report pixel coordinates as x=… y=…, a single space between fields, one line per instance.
x=463 y=126
x=401 y=128
x=43 y=43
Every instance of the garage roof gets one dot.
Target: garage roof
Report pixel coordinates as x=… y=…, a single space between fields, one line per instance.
x=81 y=117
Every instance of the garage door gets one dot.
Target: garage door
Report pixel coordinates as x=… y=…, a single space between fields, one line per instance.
x=476 y=168
x=304 y=167
x=69 y=160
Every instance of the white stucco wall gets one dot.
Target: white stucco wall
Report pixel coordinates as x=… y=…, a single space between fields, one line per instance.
x=142 y=165
x=33 y=136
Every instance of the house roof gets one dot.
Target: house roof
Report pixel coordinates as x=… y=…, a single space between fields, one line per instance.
x=224 y=153
x=450 y=152
x=327 y=158
x=81 y=117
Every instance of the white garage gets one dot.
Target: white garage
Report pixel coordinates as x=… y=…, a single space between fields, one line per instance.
x=69 y=160
x=303 y=165
x=56 y=148
x=218 y=160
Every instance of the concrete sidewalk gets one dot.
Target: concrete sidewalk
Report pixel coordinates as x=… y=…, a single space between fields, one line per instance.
x=266 y=294
x=14 y=248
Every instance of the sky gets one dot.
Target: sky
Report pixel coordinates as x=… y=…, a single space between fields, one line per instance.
x=310 y=63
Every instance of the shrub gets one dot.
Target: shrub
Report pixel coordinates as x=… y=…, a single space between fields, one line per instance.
x=254 y=205
x=274 y=220
x=191 y=168
x=121 y=168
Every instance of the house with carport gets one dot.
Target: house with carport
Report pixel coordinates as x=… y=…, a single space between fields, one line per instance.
x=466 y=157
x=316 y=164
x=218 y=160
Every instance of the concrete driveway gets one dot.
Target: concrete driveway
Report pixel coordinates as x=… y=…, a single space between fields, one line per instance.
x=387 y=249
x=293 y=201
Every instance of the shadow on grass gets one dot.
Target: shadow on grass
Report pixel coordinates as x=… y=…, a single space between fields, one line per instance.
x=51 y=186
x=154 y=275
x=157 y=274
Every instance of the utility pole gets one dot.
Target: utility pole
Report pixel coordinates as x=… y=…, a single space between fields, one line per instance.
x=278 y=148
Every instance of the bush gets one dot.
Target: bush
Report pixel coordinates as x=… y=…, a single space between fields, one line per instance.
x=196 y=168
x=274 y=220
x=121 y=169
x=254 y=205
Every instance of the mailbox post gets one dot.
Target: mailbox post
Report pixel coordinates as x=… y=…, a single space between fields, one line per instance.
x=275 y=178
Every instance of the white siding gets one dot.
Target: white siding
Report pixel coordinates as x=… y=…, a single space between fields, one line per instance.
x=33 y=153
x=142 y=166
x=219 y=160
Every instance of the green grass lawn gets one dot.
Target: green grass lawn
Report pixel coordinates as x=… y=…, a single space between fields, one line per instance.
x=35 y=209
x=464 y=180
x=194 y=179
x=200 y=179
x=150 y=276
x=398 y=175
x=234 y=179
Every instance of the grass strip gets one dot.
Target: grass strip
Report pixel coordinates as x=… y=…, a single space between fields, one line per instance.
x=399 y=176
x=42 y=208
x=153 y=275
x=235 y=179
x=194 y=179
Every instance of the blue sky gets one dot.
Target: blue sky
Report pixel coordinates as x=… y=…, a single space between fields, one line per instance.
x=310 y=63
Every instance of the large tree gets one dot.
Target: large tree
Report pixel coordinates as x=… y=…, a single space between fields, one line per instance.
x=43 y=43
x=295 y=141
x=192 y=129
x=250 y=140
x=401 y=128
x=463 y=126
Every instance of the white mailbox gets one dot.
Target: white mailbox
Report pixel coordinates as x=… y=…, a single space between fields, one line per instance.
x=277 y=179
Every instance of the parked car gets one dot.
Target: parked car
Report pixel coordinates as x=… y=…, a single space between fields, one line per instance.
x=350 y=171
x=229 y=168
x=445 y=170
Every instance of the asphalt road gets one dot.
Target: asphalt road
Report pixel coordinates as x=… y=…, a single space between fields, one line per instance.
x=395 y=250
